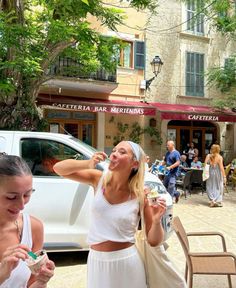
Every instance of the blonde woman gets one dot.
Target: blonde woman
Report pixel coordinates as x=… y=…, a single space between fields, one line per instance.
x=113 y=260
x=217 y=179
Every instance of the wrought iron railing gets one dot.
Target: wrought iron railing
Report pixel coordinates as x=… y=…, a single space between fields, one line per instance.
x=68 y=67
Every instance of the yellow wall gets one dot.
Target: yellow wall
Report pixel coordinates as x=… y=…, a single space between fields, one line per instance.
x=128 y=79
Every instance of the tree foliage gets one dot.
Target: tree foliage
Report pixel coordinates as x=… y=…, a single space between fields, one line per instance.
x=32 y=35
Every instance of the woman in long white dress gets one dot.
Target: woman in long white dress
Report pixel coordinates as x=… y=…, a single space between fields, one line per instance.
x=217 y=179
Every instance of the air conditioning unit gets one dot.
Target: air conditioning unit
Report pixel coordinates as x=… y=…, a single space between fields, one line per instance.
x=143 y=84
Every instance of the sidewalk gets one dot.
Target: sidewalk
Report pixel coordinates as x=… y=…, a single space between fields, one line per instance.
x=195 y=216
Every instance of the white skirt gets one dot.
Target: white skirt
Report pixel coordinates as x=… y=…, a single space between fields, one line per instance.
x=117 y=269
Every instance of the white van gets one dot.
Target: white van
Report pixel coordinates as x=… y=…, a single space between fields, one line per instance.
x=63 y=205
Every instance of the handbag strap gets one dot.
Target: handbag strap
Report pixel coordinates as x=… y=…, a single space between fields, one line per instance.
x=141 y=209
x=143 y=227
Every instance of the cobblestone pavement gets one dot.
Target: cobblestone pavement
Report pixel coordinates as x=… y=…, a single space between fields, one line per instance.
x=195 y=215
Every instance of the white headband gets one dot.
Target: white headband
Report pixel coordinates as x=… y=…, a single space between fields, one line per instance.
x=136 y=149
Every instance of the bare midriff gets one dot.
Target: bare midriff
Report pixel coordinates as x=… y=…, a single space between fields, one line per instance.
x=109 y=246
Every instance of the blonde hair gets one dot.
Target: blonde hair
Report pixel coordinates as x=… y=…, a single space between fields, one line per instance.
x=215 y=150
x=136 y=181
x=136 y=178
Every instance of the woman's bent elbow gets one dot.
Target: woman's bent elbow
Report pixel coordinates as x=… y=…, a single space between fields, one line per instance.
x=154 y=243
x=57 y=168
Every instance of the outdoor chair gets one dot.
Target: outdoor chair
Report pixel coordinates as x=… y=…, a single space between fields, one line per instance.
x=196 y=179
x=228 y=177
x=187 y=183
x=208 y=263
x=233 y=179
x=227 y=171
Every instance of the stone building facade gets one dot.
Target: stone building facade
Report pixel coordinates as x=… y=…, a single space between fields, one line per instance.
x=102 y=111
x=188 y=49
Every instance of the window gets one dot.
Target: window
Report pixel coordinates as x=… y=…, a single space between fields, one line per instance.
x=229 y=74
x=195 y=19
x=126 y=55
x=132 y=55
x=229 y=63
x=194 y=74
x=139 y=55
x=41 y=155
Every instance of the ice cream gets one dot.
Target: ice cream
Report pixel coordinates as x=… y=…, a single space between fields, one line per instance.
x=35 y=264
x=152 y=197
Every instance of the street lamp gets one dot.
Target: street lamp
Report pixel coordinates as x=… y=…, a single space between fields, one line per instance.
x=156 y=65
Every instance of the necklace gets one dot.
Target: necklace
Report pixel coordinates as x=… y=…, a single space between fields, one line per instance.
x=18 y=230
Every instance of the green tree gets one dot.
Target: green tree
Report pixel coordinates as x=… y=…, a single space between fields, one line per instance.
x=225 y=80
x=32 y=35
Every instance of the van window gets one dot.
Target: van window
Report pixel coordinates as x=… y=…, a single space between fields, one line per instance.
x=42 y=154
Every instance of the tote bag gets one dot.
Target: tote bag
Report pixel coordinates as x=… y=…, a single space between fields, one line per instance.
x=160 y=272
x=206 y=172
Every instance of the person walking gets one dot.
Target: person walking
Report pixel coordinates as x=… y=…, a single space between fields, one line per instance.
x=217 y=178
x=113 y=260
x=172 y=162
x=19 y=232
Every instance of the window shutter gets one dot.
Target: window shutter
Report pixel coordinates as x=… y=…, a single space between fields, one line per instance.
x=139 y=55
x=195 y=18
x=189 y=74
x=194 y=74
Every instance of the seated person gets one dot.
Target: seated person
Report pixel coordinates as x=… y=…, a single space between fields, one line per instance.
x=233 y=163
x=196 y=163
x=183 y=166
x=147 y=168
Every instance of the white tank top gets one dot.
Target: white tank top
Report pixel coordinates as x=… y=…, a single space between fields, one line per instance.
x=191 y=153
x=21 y=274
x=113 y=222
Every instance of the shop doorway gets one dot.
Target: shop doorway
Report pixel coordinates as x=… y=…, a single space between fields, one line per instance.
x=201 y=133
x=78 y=124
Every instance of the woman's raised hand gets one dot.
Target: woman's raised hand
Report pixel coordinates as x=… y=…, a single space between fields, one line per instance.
x=45 y=274
x=10 y=260
x=97 y=158
x=158 y=210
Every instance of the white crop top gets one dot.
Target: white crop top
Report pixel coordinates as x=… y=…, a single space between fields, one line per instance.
x=112 y=222
x=21 y=274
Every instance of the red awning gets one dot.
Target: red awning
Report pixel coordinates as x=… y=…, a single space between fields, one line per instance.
x=195 y=113
x=96 y=105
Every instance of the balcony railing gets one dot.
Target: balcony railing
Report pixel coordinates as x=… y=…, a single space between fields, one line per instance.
x=68 y=67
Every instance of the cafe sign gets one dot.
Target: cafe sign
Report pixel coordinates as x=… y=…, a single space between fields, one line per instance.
x=106 y=108
x=198 y=117
x=221 y=117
